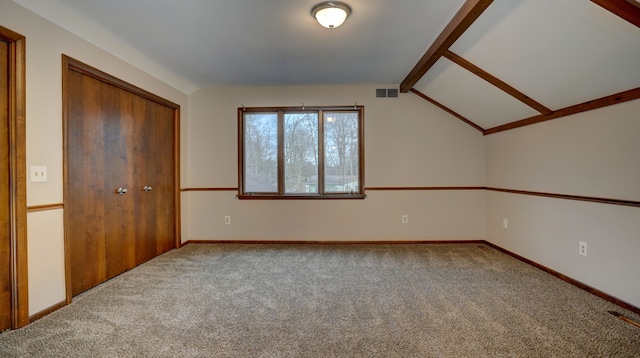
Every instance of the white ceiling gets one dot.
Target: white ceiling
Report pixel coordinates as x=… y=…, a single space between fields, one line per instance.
x=264 y=42
x=559 y=53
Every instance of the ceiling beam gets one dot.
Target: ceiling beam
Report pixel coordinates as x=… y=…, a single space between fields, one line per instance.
x=468 y=13
x=447 y=109
x=578 y=108
x=626 y=9
x=497 y=82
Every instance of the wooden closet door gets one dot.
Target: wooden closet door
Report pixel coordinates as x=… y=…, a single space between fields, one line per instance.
x=5 y=244
x=116 y=138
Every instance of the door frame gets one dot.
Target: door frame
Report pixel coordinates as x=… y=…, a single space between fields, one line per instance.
x=17 y=178
x=70 y=64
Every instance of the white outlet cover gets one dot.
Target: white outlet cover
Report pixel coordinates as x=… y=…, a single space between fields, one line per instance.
x=38 y=173
x=582 y=248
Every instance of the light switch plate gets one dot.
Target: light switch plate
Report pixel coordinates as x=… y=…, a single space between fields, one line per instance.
x=38 y=173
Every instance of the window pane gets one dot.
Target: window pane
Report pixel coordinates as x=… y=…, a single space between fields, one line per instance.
x=261 y=153
x=341 y=152
x=300 y=153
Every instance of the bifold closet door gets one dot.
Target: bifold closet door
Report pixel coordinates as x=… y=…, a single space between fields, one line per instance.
x=120 y=198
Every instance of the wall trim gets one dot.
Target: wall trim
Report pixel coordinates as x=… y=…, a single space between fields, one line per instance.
x=209 y=189
x=423 y=188
x=570 y=197
x=45 y=207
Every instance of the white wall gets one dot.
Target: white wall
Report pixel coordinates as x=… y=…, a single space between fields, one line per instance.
x=596 y=154
x=46 y=43
x=408 y=142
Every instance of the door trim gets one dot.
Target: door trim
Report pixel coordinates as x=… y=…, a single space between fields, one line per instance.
x=17 y=178
x=70 y=64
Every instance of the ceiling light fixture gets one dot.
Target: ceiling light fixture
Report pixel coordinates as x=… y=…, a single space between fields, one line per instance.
x=331 y=14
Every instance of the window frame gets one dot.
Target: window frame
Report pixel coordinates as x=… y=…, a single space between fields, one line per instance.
x=281 y=194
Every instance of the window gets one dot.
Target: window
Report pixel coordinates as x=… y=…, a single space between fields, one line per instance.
x=301 y=153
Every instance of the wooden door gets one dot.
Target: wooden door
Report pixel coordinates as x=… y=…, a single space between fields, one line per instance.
x=5 y=213
x=14 y=310
x=116 y=140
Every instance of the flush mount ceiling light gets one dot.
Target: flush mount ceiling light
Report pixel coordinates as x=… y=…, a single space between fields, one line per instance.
x=331 y=14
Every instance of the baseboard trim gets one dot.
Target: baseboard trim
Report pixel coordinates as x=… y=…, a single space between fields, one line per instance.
x=36 y=316
x=331 y=242
x=568 y=279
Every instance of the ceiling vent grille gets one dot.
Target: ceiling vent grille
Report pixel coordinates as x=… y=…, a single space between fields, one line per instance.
x=386 y=92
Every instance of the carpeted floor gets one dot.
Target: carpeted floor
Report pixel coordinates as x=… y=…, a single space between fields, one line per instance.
x=457 y=300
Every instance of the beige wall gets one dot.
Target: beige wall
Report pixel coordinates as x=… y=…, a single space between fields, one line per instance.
x=595 y=154
x=46 y=43
x=408 y=142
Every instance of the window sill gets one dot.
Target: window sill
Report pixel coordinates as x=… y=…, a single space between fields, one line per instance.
x=301 y=197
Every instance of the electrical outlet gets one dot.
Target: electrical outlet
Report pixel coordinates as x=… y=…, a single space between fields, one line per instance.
x=505 y=224
x=582 y=248
x=405 y=219
x=38 y=173
x=227 y=220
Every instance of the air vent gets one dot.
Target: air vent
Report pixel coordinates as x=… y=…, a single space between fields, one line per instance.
x=386 y=92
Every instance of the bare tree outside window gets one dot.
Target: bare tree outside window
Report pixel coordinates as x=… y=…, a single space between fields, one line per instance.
x=300 y=151
x=261 y=152
x=341 y=152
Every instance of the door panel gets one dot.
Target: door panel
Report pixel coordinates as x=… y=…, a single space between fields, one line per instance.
x=155 y=211
x=159 y=201
x=119 y=240
x=87 y=200
x=5 y=244
x=146 y=243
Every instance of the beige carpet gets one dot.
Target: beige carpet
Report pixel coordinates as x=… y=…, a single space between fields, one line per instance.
x=331 y=301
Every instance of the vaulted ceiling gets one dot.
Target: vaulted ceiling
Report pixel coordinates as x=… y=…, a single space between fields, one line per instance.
x=489 y=63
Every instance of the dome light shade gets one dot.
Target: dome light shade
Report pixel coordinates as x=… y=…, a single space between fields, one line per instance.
x=331 y=14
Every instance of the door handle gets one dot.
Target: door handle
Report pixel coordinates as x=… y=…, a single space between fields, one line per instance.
x=147 y=188
x=121 y=191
